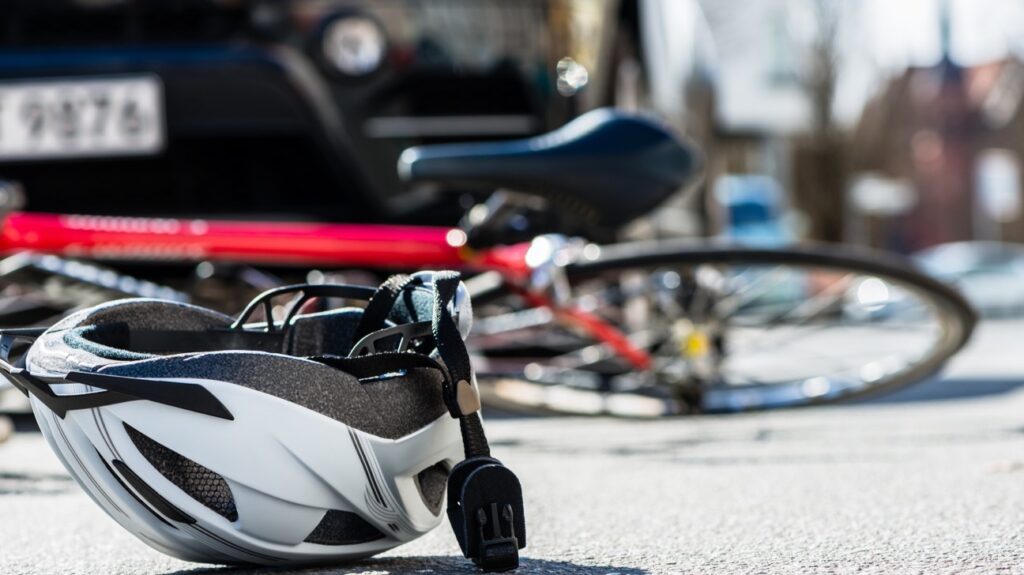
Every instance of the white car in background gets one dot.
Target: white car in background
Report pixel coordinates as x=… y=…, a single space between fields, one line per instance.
x=989 y=274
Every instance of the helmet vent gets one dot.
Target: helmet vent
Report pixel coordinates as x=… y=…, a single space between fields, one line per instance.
x=343 y=528
x=432 y=482
x=198 y=482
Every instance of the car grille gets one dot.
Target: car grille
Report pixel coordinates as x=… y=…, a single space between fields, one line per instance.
x=57 y=23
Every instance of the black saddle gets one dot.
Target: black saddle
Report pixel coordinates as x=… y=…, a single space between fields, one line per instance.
x=613 y=166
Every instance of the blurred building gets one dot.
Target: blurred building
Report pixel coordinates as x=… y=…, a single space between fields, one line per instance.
x=936 y=154
x=953 y=137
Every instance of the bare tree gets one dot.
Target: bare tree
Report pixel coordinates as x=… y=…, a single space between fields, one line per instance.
x=819 y=161
x=819 y=75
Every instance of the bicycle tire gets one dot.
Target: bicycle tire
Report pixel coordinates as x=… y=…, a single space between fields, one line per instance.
x=954 y=317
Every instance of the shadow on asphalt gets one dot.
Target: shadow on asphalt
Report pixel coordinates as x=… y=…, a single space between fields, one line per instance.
x=421 y=565
x=13 y=483
x=949 y=390
x=24 y=422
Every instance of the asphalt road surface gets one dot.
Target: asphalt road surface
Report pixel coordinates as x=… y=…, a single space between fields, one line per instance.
x=930 y=480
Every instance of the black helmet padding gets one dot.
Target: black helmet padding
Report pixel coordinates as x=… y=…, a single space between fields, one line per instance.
x=113 y=339
x=390 y=408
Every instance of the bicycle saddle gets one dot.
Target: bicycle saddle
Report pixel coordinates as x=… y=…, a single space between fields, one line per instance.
x=612 y=165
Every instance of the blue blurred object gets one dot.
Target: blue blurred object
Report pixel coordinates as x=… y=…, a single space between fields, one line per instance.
x=753 y=210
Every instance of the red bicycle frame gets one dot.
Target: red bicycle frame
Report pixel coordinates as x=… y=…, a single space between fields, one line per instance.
x=287 y=243
x=291 y=243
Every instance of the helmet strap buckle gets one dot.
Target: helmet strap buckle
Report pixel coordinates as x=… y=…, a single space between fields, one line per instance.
x=485 y=508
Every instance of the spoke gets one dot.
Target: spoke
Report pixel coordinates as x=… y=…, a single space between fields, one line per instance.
x=773 y=348
x=852 y=359
x=794 y=336
x=819 y=303
x=730 y=303
x=513 y=321
x=598 y=352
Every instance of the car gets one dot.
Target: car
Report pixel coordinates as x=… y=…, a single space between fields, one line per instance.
x=989 y=274
x=285 y=109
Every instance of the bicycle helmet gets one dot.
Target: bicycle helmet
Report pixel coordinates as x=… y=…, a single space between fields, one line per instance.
x=326 y=436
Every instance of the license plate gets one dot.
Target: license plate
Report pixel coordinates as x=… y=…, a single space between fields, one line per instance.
x=81 y=117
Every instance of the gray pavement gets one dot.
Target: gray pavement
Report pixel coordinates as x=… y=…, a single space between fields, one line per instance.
x=930 y=480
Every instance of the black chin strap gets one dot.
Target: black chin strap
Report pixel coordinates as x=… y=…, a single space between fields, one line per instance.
x=485 y=499
x=377 y=310
x=460 y=392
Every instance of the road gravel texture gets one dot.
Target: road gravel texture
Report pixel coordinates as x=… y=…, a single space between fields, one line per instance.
x=930 y=480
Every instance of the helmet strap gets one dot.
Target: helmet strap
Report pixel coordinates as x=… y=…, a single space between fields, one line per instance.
x=485 y=499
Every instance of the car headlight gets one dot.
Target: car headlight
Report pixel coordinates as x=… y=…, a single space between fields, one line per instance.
x=354 y=45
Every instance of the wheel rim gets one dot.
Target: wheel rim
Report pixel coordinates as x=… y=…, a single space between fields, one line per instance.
x=766 y=335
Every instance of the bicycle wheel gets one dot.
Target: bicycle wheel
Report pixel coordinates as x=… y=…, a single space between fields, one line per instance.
x=728 y=329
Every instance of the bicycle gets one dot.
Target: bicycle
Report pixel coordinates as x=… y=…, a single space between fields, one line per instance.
x=566 y=325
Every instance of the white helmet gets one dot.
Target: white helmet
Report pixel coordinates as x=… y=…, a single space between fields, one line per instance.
x=327 y=436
